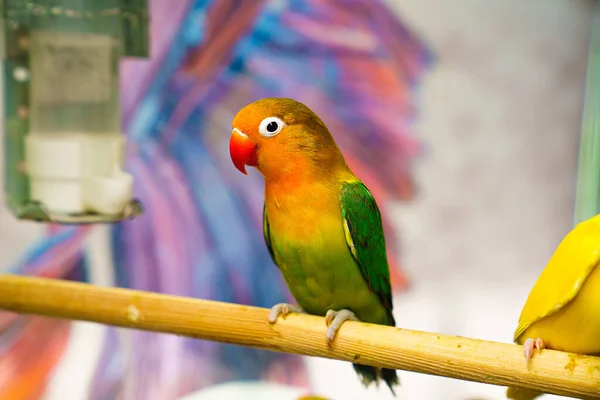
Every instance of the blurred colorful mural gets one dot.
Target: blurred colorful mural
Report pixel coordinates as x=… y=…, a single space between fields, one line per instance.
x=352 y=61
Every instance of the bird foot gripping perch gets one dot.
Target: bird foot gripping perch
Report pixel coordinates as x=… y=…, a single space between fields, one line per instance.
x=530 y=345
x=334 y=320
x=283 y=309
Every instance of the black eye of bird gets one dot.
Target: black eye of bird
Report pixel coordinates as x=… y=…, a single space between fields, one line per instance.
x=272 y=126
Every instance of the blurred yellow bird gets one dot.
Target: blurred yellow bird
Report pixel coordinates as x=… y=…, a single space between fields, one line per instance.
x=562 y=311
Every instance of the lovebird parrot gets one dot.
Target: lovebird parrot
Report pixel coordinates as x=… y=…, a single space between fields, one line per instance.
x=562 y=311
x=321 y=224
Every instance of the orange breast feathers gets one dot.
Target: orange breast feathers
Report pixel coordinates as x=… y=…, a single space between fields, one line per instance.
x=305 y=211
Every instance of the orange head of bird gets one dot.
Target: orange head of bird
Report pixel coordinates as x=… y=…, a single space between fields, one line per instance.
x=280 y=136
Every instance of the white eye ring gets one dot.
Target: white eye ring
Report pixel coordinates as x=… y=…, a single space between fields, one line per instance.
x=270 y=126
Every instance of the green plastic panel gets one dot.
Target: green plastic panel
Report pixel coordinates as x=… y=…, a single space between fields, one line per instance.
x=587 y=198
x=125 y=20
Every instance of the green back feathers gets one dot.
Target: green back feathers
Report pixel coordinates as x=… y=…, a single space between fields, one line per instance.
x=366 y=241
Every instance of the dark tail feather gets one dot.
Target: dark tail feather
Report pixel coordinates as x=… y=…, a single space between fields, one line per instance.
x=370 y=374
x=390 y=378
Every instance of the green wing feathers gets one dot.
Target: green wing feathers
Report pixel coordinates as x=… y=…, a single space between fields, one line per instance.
x=267 y=233
x=365 y=239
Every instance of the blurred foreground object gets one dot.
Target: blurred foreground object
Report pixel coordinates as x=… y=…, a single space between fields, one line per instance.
x=562 y=312
x=249 y=390
x=64 y=149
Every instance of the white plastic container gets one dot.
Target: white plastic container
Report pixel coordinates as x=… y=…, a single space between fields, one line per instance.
x=74 y=173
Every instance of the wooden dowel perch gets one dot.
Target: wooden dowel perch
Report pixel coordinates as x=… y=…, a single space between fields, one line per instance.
x=430 y=353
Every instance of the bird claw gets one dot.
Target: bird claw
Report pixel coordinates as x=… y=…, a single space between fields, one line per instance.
x=282 y=309
x=334 y=320
x=530 y=345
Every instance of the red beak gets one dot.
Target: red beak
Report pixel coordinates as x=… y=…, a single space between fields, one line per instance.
x=242 y=151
